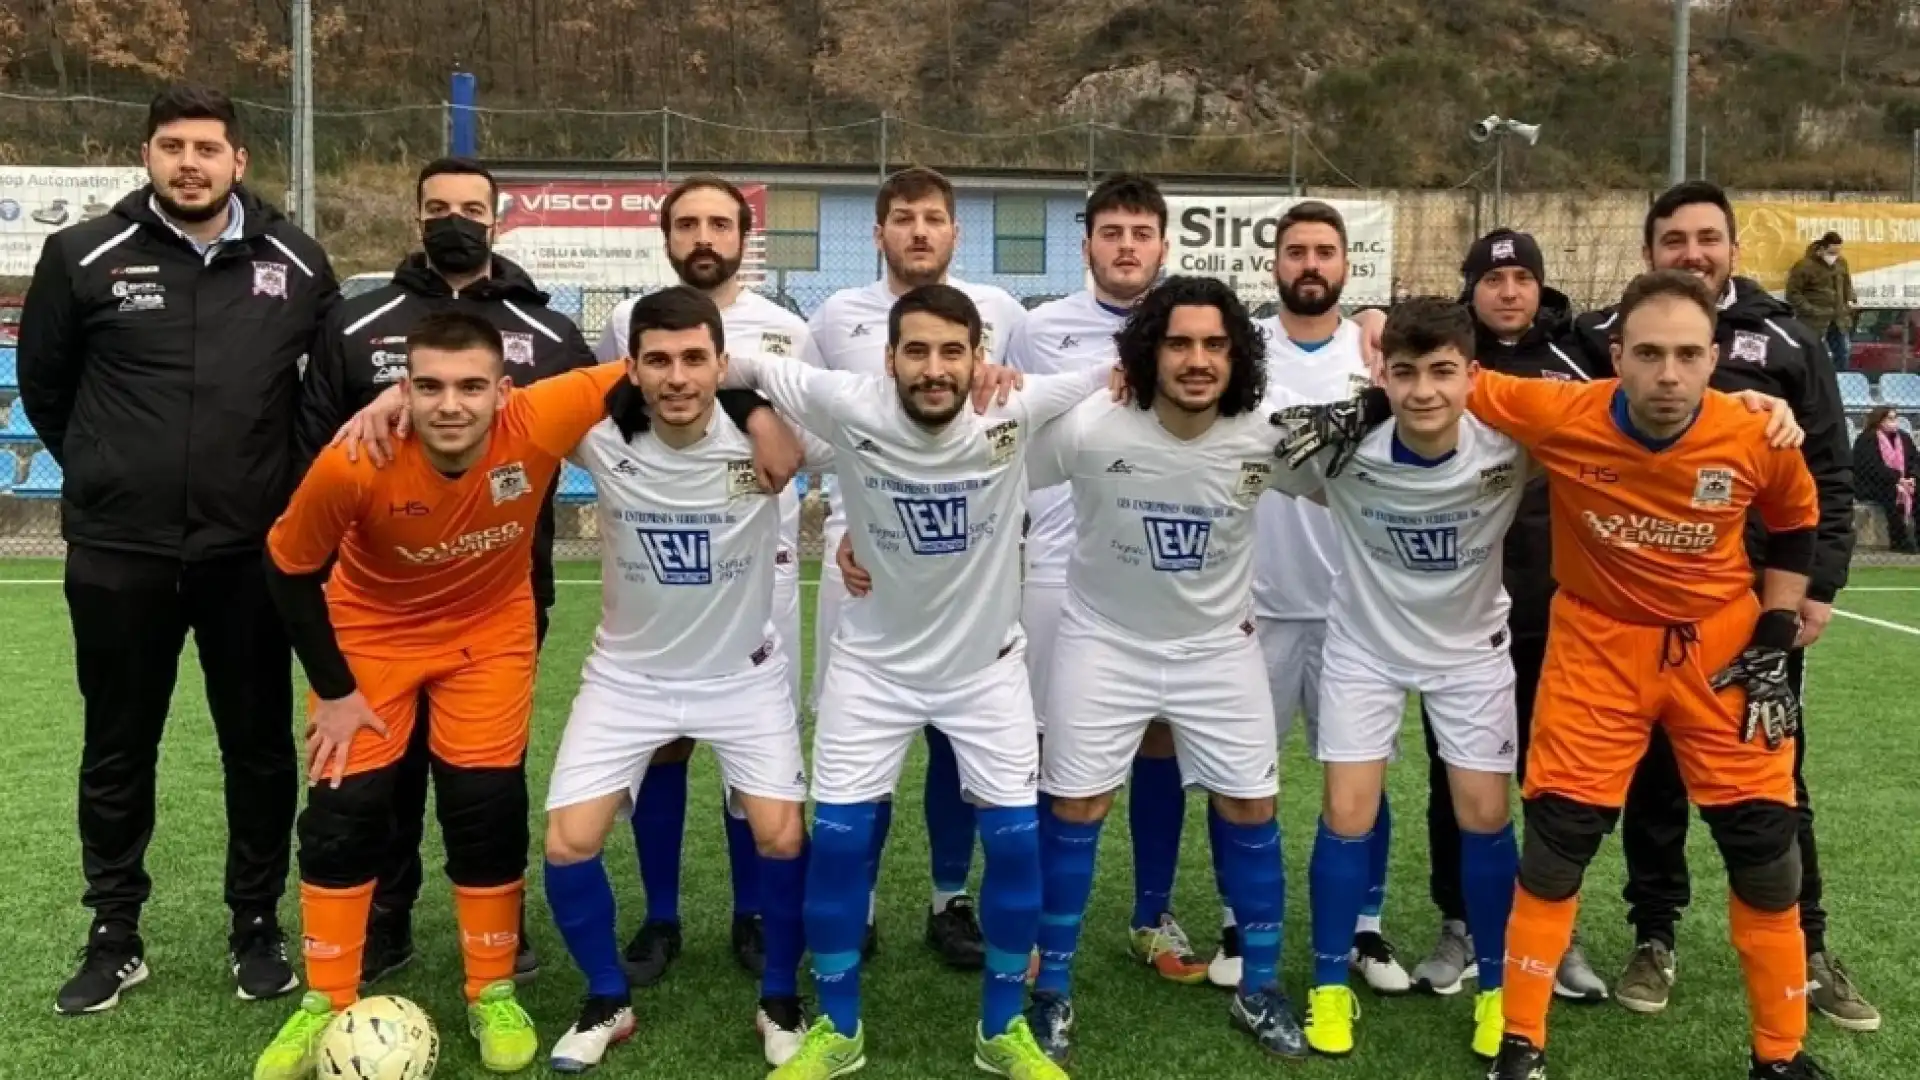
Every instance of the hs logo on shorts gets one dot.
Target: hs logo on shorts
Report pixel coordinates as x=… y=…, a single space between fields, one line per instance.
x=679 y=556
x=1177 y=544
x=934 y=526
x=1435 y=550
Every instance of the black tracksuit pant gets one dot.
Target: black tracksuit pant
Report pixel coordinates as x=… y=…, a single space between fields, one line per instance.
x=131 y=614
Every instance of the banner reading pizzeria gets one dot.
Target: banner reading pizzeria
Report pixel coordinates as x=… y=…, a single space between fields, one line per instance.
x=1881 y=243
x=603 y=234
x=1232 y=238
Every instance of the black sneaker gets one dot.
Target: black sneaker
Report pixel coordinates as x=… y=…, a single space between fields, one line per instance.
x=954 y=933
x=259 y=955
x=389 y=944
x=113 y=960
x=749 y=944
x=1050 y=1018
x=1519 y=1059
x=1268 y=1016
x=1801 y=1067
x=651 y=952
x=526 y=962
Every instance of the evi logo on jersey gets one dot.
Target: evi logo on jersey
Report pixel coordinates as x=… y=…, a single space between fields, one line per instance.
x=1177 y=544
x=934 y=526
x=679 y=556
x=1432 y=550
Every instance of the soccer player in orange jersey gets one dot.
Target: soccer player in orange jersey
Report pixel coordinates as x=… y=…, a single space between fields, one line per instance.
x=430 y=591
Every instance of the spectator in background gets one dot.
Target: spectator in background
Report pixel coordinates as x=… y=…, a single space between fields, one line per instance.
x=1820 y=288
x=1885 y=465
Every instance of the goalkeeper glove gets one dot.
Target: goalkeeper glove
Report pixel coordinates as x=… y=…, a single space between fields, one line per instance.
x=1337 y=428
x=1773 y=709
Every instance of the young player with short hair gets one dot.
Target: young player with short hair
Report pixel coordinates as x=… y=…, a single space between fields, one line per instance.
x=687 y=648
x=1422 y=511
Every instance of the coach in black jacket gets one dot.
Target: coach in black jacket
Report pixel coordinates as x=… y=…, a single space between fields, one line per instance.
x=159 y=361
x=1762 y=347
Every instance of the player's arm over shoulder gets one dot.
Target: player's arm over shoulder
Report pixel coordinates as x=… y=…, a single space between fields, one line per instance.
x=557 y=412
x=330 y=499
x=1528 y=410
x=1785 y=494
x=1045 y=397
x=1056 y=444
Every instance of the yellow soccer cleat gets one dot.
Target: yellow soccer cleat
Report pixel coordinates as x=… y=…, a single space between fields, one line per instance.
x=825 y=1054
x=503 y=1029
x=1014 y=1054
x=291 y=1054
x=1489 y=1024
x=1331 y=1012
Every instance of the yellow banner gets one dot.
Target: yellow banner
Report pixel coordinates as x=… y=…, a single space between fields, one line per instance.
x=1882 y=245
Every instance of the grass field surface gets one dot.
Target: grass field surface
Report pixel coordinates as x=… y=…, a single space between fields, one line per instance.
x=185 y=1022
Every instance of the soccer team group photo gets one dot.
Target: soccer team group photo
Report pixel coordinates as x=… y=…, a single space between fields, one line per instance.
x=1089 y=596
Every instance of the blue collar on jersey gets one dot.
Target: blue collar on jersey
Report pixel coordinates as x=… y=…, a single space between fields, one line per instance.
x=1313 y=346
x=1403 y=455
x=1116 y=310
x=1624 y=421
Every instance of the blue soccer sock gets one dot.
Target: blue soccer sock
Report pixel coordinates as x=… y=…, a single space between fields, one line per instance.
x=882 y=825
x=743 y=864
x=1489 y=863
x=581 y=899
x=659 y=824
x=950 y=818
x=1247 y=859
x=1379 y=854
x=1156 y=813
x=1010 y=892
x=1338 y=875
x=1067 y=854
x=781 y=905
x=836 y=907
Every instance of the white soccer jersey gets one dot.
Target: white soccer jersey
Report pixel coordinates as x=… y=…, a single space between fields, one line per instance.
x=849 y=333
x=752 y=323
x=687 y=545
x=1299 y=557
x=1073 y=333
x=1422 y=546
x=1166 y=525
x=934 y=516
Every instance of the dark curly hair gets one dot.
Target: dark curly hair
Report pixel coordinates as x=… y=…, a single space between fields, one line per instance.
x=1139 y=341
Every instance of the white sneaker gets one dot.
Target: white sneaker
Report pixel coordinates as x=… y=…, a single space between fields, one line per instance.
x=1224 y=969
x=1450 y=964
x=603 y=1022
x=1373 y=959
x=782 y=1025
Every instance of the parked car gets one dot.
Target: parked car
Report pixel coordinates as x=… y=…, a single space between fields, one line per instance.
x=10 y=308
x=363 y=283
x=1885 y=339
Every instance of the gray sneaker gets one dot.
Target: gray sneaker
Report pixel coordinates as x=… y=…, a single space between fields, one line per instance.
x=1450 y=963
x=1576 y=980
x=1833 y=993
x=1648 y=980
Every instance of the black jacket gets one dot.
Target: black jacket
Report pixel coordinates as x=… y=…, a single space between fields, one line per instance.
x=1872 y=478
x=1763 y=347
x=366 y=352
x=167 y=384
x=1545 y=351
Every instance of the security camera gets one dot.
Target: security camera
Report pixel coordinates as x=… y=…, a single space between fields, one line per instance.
x=1483 y=130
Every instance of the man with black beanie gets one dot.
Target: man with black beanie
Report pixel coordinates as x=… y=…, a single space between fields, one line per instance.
x=1521 y=327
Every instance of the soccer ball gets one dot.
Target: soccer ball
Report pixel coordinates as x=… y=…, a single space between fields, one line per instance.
x=379 y=1038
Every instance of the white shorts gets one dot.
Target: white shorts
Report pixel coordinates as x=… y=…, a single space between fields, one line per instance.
x=1292 y=649
x=1040 y=620
x=867 y=722
x=1106 y=687
x=786 y=619
x=620 y=718
x=1363 y=700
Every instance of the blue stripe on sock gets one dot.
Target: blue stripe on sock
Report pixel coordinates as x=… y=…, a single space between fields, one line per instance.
x=836 y=906
x=1010 y=891
x=659 y=825
x=1156 y=813
x=1338 y=885
x=1489 y=863
x=581 y=899
x=1247 y=860
x=1068 y=853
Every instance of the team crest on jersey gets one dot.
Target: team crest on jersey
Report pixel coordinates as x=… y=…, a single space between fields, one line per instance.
x=1749 y=347
x=679 y=556
x=1713 y=488
x=270 y=279
x=774 y=343
x=1177 y=544
x=1254 y=478
x=1002 y=440
x=1432 y=550
x=508 y=482
x=934 y=526
x=518 y=348
x=741 y=480
x=1496 y=480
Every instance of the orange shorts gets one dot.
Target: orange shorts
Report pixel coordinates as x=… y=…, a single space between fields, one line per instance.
x=1606 y=683
x=479 y=706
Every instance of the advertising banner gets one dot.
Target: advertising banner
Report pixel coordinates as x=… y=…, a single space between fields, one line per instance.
x=36 y=203
x=602 y=233
x=1882 y=245
x=1231 y=237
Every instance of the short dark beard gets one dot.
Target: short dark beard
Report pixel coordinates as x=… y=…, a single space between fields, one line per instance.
x=919 y=416
x=192 y=215
x=915 y=280
x=1291 y=299
x=706 y=281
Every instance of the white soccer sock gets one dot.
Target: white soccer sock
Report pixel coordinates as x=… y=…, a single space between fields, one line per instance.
x=941 y=898
x=1368 y=924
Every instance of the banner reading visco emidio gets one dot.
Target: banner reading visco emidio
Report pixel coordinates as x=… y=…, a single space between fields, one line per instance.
x=1232 y=238
x=602 y=233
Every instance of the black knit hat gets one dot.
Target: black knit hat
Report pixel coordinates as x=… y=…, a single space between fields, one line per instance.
x=1503 y=247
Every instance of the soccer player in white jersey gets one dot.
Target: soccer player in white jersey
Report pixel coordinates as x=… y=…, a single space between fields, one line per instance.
x=934 y=496
x=1315 y=353
x=706 y=220
x=1422 y=511
x=1126 y=246
x=686 y=649
x=915 y=232
x=1158 y=623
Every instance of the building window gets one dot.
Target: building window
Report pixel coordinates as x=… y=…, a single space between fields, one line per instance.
x=1019 y=234
x=793 y=229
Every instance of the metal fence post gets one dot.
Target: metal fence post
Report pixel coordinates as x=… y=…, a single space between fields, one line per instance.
x=666 y=134
x=1092 y=132
x=883 y=146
